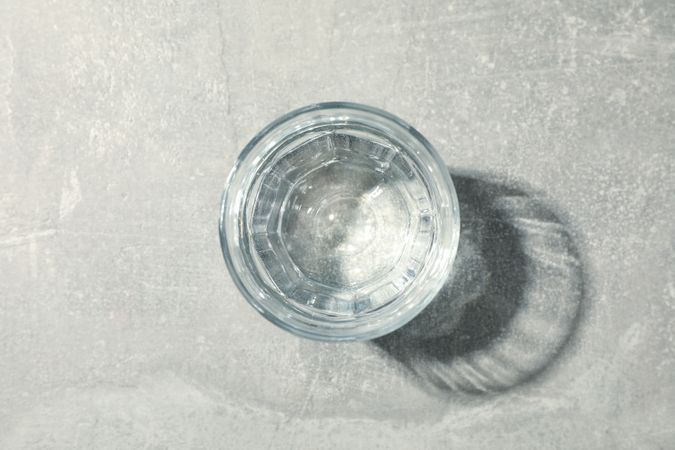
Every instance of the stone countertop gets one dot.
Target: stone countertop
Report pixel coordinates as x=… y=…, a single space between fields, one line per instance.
x=120 y=327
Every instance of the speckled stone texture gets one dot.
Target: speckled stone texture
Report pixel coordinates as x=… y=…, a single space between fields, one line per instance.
x=120 y=327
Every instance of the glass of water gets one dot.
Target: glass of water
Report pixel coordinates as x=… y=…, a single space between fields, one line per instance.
x=339 y=222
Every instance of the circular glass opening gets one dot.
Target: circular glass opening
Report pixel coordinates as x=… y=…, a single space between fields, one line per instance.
x=339 y=222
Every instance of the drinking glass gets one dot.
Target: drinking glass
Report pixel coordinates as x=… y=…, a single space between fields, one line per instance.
x=339 y=222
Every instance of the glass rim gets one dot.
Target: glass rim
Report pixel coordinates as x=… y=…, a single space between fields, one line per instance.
x=275 y=307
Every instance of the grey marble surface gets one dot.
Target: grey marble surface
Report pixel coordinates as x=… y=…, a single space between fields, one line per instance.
x=120 y=328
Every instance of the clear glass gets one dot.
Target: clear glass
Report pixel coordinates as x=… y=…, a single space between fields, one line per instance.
x=339 y=222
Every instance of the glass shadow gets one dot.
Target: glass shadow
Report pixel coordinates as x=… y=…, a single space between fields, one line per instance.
x=514 y=300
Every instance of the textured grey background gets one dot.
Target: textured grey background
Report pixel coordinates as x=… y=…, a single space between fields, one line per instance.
x=119 y=326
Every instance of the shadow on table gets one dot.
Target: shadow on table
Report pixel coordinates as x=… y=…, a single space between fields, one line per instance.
x=514 y=300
